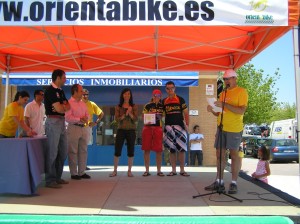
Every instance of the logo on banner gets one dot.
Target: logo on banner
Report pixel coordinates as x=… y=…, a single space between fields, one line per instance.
x=259 y=6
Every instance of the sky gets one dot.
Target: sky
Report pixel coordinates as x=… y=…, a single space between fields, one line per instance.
x=280 y=55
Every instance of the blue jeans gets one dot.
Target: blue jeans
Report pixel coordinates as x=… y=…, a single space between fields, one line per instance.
x=56 y=152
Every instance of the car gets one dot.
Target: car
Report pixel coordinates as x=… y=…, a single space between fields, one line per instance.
x=255 y=144
x=285 y=149
x=251 y=144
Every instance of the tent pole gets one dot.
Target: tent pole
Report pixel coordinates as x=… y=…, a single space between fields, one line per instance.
x=296 y=32
x=7 y=79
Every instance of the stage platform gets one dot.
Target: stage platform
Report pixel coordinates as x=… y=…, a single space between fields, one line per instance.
x=151 y=196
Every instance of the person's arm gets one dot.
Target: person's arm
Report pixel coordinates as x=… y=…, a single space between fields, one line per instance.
x=61 y=107
x=239 y=109
x=234 y=109
x=27 y=121
x=132 y=112
x=100 y=116
x=209 y=109
x=24 y=126
x=267 y=173
x=186 y=116
x=118 y=116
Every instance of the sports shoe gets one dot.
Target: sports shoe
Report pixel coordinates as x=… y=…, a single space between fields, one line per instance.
x=215 y=187
x=232 y=189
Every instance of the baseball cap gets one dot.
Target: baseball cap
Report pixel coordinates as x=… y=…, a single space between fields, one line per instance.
x=156 y=92
x=229 y=73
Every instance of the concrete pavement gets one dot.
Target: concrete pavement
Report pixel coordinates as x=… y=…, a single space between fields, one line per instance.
x=147 y=196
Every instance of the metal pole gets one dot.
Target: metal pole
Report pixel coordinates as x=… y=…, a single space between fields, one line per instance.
x=7 y=80
x=296 y=32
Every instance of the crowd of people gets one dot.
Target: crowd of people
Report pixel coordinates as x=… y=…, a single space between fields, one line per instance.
x=166 y=125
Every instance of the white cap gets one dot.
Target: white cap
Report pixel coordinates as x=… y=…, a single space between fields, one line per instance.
x=229 y=73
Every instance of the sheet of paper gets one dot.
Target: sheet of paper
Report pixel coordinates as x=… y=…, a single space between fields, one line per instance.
x=149 y=119
x=211 y=101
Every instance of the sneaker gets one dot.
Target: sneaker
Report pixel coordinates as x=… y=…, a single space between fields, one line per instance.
x=62 y=181
x=85 y=176
x=232 y=189
x=53 y=185
x=87 y=168
x=75 y=177
x=215 y=187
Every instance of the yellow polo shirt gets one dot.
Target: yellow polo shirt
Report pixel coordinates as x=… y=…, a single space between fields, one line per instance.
x=233 y=122
x=8 y=126
x=92 y=109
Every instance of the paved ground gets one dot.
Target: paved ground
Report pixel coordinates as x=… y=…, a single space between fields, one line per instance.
x=284 y=176
x=147 y=196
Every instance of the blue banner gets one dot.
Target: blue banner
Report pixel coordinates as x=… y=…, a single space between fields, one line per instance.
x=106 y=78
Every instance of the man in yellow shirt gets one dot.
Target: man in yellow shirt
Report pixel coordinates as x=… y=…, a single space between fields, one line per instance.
x=233 y=100
x=93 y=109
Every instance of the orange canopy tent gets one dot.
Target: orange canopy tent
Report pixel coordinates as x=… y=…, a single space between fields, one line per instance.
x=135 y=48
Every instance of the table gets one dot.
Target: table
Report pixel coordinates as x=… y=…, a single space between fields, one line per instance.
x=21 y=164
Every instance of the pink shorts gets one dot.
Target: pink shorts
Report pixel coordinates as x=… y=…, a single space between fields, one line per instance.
x=152 y=138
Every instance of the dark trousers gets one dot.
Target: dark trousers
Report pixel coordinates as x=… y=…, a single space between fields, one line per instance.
x=130 y=136
x=193 y=155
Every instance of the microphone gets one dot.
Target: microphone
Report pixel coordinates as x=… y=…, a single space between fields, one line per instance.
x=226 y=87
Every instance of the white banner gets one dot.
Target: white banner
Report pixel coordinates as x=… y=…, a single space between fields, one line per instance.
x=144 y=12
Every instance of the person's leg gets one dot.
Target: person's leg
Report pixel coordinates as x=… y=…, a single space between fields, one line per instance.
x=158 y=161
x=157 y=142
x=192 y=157
x=73 y=136
x=147 y=160
x=130 y=164
x=173 y=160
x=147 y=138
x=200 y=158
x=235 y=164
x=53 y=137
x=116 y=162
x=120 y=138
x=221 y=163
x=167 y=156
x=182 y=161
x=62 y=152
x=130 y=139
x=82 y=151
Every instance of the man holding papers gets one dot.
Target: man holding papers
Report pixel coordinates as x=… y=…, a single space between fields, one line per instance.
x=234 y=100
x=152 y=132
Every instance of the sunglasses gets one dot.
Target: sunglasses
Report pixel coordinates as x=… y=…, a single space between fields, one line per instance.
x=226 y=79
x=170 y=88
x=156 y=95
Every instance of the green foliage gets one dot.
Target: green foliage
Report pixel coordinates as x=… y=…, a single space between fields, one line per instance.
x=283 y=111
x=262 y=95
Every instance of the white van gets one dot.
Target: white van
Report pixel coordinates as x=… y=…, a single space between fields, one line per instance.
x=284 y=129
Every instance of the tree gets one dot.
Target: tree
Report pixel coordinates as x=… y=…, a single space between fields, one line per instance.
x=283 y=111
x=262 y=95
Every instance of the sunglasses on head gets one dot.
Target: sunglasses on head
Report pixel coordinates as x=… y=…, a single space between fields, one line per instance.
x=156 y=95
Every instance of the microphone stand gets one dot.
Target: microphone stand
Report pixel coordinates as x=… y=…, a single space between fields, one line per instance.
x=219 y=137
